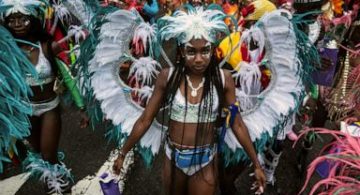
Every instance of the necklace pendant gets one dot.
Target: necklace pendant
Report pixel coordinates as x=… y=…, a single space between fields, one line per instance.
x=193 y=93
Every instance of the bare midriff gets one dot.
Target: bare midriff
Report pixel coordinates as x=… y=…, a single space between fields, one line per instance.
x=183 y=135
x=43 y=93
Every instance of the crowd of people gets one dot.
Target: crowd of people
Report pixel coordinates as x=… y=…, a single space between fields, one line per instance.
x=218 y=85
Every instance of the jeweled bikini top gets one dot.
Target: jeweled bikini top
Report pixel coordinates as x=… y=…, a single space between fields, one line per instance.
x=180 y=113
x=43 y=69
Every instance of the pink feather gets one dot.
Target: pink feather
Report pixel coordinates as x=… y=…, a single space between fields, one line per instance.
x=345 y=163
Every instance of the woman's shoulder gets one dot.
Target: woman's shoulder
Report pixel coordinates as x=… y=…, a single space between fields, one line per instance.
x=226 y=77
x=164 y=75
x=226 y=72
x=165 y=72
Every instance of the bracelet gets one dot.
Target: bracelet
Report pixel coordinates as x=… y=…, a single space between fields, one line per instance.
x=121 y=154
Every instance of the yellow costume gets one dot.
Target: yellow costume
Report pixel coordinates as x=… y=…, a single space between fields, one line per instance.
x=261 y=7
x=227 y=45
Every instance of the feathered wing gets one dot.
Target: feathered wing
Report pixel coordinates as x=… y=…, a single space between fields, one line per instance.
x=14 y=92
x=83 y=10
x=283 y=94
x=114 y=95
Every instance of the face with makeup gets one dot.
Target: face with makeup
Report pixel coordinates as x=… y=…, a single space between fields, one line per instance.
x=19 y=24
x=197 y=54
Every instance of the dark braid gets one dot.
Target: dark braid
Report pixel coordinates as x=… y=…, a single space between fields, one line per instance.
x=213 y=82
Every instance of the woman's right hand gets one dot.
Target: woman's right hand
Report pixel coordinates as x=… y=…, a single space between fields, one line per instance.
x=118 y=164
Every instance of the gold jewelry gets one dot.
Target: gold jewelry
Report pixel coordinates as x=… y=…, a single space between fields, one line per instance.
x=339 y=103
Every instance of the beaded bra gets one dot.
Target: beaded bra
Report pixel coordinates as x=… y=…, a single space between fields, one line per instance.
x=189 y=113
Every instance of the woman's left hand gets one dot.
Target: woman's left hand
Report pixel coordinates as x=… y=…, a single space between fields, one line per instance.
x=260 y=181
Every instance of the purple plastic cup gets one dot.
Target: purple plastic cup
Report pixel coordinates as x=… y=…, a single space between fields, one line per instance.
x=325 y=77
x=111 y=187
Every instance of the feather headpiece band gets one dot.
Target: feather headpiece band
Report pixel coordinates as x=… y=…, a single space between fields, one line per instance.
x=27 y=7
x=194 y=23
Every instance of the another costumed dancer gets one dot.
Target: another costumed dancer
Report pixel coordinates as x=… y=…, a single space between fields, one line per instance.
x=331 y=98
x=338 y=163
x=25 y=19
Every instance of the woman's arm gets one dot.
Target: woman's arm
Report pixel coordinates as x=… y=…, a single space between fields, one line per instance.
x=145 y=120
x=238 y=126
x=241 y=131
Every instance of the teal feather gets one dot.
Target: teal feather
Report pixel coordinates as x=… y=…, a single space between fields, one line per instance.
x=14 y=92
x=306 y=52
x=115 y=135
x=94 y=5
x=215 y=6
x=146 y=155
x=87 y=49
x=231 y=158
x=44 y=171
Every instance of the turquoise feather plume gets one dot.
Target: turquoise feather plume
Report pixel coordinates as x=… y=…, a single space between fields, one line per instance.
x=14 y=93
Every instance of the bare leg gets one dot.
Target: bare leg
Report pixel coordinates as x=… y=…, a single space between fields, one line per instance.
x=50 y=135
x=204 y=181
x=35 y=131
x=174 y=184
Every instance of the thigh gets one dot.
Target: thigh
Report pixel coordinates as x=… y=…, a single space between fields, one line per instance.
x=175 y=181
x=35 y=133
x=50 y=134
x=205 y=181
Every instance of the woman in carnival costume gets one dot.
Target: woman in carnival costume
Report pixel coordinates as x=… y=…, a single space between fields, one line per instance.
x=25 y=20
x=195 y=90
x=114 y=97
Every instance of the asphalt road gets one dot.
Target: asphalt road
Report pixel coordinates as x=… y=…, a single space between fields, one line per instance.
x=85 y=151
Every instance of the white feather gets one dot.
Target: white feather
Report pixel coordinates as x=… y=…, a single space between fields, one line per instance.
x=113 y=94
x=248 y=76
x=19 y=6
x=145 y=93
x=61 y=12
x=144 y=69
x=146 y=33
x=79 y=10
x=193 y=24
x=254 y=34
x=77 y=32
x=285 y=87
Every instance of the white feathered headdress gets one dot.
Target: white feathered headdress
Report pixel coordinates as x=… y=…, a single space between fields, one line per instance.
x=194 y=23
x=27 y=7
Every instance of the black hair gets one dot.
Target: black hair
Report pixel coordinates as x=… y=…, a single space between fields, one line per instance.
x=213 y=81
